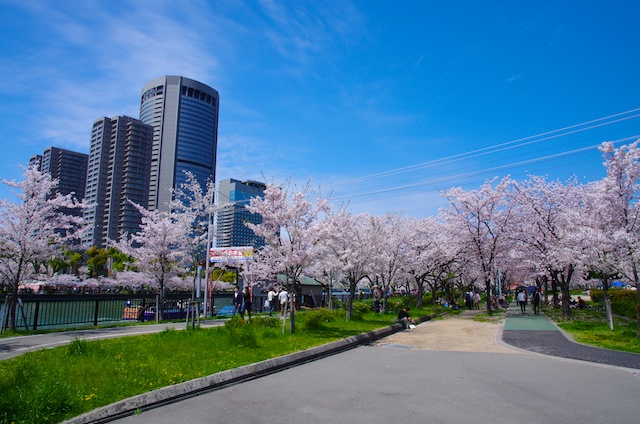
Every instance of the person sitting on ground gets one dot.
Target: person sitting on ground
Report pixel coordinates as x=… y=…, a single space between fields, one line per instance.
x=405 y=318
x=454 y=304
x=581 y=304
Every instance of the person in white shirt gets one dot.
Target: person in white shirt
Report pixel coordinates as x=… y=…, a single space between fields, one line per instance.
x=271 y=298
x=283 y=297
x=522 y=301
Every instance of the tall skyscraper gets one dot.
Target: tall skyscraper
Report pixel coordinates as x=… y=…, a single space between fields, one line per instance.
x=118 y=171
x=233 y=197
x=68 y=167
x=184 y=116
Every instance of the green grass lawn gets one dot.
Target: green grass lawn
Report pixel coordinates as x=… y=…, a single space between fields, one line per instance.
x=51 y=385
x=591 y=327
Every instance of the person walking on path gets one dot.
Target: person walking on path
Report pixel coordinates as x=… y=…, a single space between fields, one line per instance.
x=535 y=302
x=283 y=297
x=246 y=302
x=237 y=301
x=377 y=296
x=271 y=298
x=522 y=301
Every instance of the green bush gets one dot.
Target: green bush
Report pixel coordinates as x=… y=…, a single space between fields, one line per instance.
x=314 y=319
x=397 y=303
x=623 y=302
x=266 y=322
x=240 y=333
x=359 y=308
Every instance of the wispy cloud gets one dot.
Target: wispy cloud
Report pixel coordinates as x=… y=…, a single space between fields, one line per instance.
x=514 y=78
x=94 y=61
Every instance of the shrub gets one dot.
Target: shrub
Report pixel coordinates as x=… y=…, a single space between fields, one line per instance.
x=396 y=303
x=359 y=308
x=314 y=319
x=240 y=333
x=266 y=322
x=623 y=302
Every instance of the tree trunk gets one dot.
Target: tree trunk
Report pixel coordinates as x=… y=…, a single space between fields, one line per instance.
x=419 y=294
x=554 y=290
x=487 y=284
x=607 y=302
x=352 y=294
x=636 y=278
x=564 y=287
x=160 y=305
x=13 y=309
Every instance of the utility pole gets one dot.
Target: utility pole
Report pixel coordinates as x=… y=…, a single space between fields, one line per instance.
x=208 y=254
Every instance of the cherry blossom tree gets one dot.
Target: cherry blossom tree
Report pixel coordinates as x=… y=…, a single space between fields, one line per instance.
x=196 y=205
x=433 y=256
x=291 y=228
x=33 y=230
x=353 y=243
x=480 y=218
x=393 y=251
x=326 y=269
x=619 y=208
x=160 y=248
x=544 y=224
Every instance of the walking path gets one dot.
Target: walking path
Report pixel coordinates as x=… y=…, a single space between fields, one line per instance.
x=536 y=333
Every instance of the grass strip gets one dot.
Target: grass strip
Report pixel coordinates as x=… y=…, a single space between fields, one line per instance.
x=591 y=327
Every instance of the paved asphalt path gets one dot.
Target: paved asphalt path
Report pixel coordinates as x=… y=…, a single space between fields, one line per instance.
x=536 y=333
x=383 y=384
x=402 y=384
x=14 y=346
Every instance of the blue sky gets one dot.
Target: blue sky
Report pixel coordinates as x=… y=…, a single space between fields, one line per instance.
x=382 y=104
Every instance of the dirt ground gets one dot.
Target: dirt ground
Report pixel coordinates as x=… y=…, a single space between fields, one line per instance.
x=460 y=334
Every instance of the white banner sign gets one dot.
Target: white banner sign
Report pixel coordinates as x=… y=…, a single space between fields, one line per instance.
x=230 y=254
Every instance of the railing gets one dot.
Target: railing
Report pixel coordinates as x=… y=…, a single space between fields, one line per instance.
x=59 y=311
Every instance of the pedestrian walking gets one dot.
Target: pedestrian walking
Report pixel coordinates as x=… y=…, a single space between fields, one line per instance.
x=377 y=295
x=271 y=298
x=535 y=302
x=468 y=300
x=283 y=297
x=522 y=301
x=237 y=301
x=246 y=303
x=476 y=300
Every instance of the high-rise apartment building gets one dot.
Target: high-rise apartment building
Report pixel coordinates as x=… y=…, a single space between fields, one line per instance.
x=118 y=172
x=233 y=197
x=184 y=116
x=66 y=166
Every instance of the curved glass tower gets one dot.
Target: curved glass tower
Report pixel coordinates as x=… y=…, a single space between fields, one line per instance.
x=184 y=116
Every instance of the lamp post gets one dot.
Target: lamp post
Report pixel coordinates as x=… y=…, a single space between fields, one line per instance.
x=208 y=253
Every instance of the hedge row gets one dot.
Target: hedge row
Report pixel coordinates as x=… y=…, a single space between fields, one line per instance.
x=623 y=302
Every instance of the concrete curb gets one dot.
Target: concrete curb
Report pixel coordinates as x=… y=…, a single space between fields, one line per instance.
x=177 y=392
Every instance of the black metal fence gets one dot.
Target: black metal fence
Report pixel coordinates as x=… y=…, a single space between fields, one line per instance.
x=59 y=311
x=73 y=310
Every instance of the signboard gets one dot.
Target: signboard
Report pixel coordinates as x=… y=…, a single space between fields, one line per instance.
x=230 y=254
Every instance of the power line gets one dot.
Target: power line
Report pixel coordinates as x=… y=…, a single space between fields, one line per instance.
x=549 y=135
x=481 y=171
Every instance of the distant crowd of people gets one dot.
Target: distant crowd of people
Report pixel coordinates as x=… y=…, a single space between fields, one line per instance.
x=276 y=301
